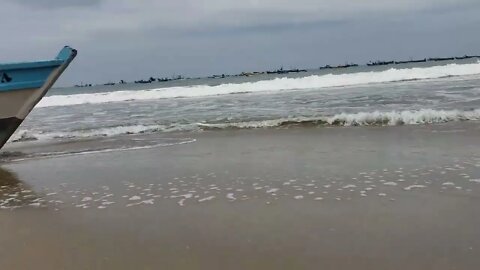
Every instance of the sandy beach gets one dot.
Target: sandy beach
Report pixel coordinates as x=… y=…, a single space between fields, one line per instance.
x=297 y=198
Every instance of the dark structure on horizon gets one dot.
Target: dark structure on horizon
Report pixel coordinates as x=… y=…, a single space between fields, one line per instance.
x=281 y=70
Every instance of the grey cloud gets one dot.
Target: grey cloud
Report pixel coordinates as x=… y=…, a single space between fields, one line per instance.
x=49 y=4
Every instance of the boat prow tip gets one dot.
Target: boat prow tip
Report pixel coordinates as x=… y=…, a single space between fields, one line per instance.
x=67 y=54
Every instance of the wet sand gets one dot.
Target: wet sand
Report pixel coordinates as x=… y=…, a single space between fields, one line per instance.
x=297 y=198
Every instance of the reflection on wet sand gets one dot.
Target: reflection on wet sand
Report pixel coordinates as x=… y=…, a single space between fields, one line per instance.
x=15 y=194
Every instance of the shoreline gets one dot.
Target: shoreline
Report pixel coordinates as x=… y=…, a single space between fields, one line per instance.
x=28 y=150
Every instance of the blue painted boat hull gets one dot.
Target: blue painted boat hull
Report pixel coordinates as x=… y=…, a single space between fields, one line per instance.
x=23 y=85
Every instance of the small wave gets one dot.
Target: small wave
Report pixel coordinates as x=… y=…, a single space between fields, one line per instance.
x=23 y=137
x=279 y=84
x=27 y=135
x=377 y=118
x=6 y=156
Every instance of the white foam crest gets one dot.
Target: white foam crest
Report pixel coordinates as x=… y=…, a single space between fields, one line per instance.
x=119 y=130
x=425 y=116
x=279 y=84
x=24 y=135
x=250 y=124
x=392 y=118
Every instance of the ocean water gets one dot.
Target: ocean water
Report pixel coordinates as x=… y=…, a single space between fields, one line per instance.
x=410 y=94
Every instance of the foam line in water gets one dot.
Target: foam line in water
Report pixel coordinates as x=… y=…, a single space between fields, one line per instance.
x=102 y=151
x=279 y=84
x=27 y=135
x=377 y=118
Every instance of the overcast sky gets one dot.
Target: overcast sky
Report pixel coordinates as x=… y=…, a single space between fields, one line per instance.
x=120 y=39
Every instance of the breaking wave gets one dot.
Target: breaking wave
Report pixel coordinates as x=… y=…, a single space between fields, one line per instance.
x=279 y=84
x=27 y=135
x=376 y=118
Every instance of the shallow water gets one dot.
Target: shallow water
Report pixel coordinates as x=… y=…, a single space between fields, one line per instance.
x=381 y=96
x=303 y=198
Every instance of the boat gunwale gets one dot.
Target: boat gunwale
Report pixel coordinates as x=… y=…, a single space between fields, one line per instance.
x=29 y=65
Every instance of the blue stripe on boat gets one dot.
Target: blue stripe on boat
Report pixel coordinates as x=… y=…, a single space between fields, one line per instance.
x=24 y=78
x=39 y=64
x=18 y=76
